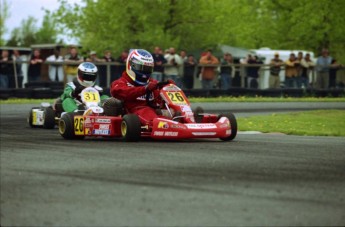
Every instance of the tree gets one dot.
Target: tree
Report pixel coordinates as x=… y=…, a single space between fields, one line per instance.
x=28 y=33
x=194 y=24
x=4 y=14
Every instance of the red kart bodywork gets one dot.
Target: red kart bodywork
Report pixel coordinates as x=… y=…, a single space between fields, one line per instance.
x=181 y=124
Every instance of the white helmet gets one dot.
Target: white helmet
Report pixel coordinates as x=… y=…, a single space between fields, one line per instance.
x=87 y=74
x=139 y=66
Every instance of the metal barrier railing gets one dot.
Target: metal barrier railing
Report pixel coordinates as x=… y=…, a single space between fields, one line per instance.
x=240 y=70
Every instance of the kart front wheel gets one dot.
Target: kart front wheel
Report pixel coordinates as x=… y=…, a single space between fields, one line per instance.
x=233 y=126
x=66 y=127
x=49 y=118
x=131 y=128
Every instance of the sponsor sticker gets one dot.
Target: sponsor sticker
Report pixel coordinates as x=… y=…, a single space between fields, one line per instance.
x=100 y=132
x=104 y=127
x=102 y=120
x=170 y=133
x=158 y=133
x=201 y=126
x=163 y=124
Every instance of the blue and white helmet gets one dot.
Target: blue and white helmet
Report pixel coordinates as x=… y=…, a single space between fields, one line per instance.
x=87 y=74
x=139 y=66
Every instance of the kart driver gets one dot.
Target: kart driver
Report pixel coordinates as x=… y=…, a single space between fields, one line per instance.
x=138 y=91
x=87 y=75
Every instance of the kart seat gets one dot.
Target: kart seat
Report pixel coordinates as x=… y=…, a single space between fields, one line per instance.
x=113 y=107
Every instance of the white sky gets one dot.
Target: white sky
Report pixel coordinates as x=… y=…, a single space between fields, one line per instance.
x=21 y=9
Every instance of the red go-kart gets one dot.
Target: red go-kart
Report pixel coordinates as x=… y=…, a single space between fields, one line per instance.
x=178 y=122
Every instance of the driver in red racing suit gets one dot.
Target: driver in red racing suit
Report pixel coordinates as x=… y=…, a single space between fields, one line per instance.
x=138 y=91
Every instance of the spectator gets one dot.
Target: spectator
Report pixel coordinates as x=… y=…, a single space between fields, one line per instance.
x=34 y=73
x=172 y=69
x=122 y=67
x=299 y=69
x=103 y=68
x=253 y=72
x=307 y=65
x=6 y=69
x=322 y=66
x=291 y=71
x=19 y=73
x=183 y=56
x=93 y=57
x=333 y=73
x=55 y=67
x=276 y=63
x=158 y=68
x=72 y=59
x=227 y=71
x=189 y=70
x=208 y=71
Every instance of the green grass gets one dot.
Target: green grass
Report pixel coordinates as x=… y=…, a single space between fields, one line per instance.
x=311 y=123
x=193 y=99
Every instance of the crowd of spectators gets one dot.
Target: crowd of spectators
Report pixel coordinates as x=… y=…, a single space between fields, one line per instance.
x=183 y=68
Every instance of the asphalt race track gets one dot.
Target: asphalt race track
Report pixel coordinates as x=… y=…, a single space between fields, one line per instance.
x=256 y=180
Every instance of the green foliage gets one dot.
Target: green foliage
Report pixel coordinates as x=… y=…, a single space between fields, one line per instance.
x=312 y=123
x=28 y=33
x=195 y=24
x=4 y=14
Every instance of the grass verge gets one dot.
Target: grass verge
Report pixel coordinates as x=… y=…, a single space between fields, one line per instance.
x=310 y=123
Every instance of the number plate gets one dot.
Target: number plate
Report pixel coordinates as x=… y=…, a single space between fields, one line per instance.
x=91 y=96
x=79 y=125
x=176 y=97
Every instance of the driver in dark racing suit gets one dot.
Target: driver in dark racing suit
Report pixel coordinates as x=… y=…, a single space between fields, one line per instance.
x=138 y=91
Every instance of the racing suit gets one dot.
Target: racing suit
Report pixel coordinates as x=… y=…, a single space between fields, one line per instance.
x=134 y=98
x=71 y=93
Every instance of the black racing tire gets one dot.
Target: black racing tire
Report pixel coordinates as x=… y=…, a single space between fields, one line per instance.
x=66 y=127
x=49 y=118
x=30 y=116
x=131 y=128
x=233 y=125
x=198 y=110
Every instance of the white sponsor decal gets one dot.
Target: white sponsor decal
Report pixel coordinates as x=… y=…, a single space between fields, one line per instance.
x=186 y=108
x=104 y=127
x=228 y=132
x=201 y=126
x=171 y=133
x=101 y=132
x=103 y=120
x=87 y=120
x=204 y=133
x=158 y=133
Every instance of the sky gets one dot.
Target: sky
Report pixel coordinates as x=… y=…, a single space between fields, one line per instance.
x=21 y=9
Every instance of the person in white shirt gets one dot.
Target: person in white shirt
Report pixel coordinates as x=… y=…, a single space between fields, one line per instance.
x=171 y=70
x=56 y=72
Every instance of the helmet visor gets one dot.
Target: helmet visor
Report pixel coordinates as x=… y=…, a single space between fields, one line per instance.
x=89 y=76
x=146 y=69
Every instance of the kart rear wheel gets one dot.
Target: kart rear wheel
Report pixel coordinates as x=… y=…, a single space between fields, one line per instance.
x=131 y=128
x=31 y=116
x=233 y=125
x=49 y=118
x=66 y=126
